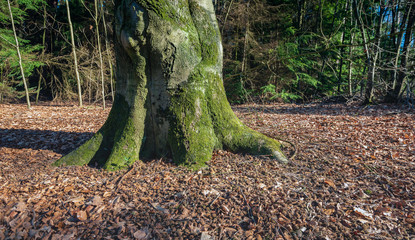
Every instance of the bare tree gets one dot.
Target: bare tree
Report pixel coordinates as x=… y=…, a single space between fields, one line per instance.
x=19 y=55
x=96 y=17
x=108 y=50
x=78 y=78
x=399 y=86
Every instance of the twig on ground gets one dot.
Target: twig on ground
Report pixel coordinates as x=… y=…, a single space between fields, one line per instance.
x=249 y=206
x=292 y=144
x=118 y=182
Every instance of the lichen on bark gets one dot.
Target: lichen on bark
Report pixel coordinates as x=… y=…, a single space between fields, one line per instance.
x=170 y=99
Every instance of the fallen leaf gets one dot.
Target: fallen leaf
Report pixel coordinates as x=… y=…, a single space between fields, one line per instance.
x=140 y=235
x=20 y=206
x=76 y=199
x=206 y=236
x=82 y=215
x=159 y=208
x=330 y=183
x=362 y=213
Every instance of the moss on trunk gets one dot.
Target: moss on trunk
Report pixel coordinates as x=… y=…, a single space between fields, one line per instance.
x=170 y=99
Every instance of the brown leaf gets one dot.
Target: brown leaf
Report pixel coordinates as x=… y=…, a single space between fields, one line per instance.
x=410 y=220
x=79 y=199
x=97 y=201
x=13 y=214
x=160 y=208
x=82 y=215
x=329 y=211
x=330 y=183
x=206 y=236
x=106 y=194
x=68 y=188
x=140 y=235
x=20 y=206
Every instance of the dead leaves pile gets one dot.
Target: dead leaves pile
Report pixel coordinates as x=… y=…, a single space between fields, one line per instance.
x=353 y=177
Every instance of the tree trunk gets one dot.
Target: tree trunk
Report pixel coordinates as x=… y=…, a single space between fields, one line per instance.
x=40 y=72
x=369 y=95
x=20 y=56
x=108 y=50
x=349 y=74
x=170 y=99
x=399 y=86
x=371 y=53
x=392 y=95
x=75 y=59
x=101 y=62
x=340 y=77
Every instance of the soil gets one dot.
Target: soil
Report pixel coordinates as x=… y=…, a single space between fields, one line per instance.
x=352 y=177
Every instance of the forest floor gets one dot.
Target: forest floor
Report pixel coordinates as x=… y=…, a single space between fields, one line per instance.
x=353 y=177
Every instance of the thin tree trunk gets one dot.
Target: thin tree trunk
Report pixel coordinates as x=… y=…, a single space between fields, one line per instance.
x=352 y=33
x=300 y=13
x=43 y=52
x=78 y=79
x=349 y=75
x=371 y=56
x=341 y=57
x=394 y=22
x=398 y=90
x=377 y=51
x=107 y=48
x=244 y=56
x=398 y=45
x=19 y=55
x=226 y=16
x=100 y=53
x=3 y=84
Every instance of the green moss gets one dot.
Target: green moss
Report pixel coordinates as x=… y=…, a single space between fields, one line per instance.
x=126 y=148
x=173 y=13
x=231 y=132
x=83 y=154
x=208 y=31
x=191 y=135
x=129 y=133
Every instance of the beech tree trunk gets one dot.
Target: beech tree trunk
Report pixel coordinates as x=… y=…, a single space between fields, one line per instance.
x=170 y=100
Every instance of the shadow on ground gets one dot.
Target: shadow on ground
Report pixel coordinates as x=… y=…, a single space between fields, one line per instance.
x=56 y=141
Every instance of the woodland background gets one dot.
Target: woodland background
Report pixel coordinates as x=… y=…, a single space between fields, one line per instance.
x=352 y=173
x=274 y=50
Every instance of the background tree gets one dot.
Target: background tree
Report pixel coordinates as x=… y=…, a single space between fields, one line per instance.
x=17 y=55
x=75 y=58
x=274 y=50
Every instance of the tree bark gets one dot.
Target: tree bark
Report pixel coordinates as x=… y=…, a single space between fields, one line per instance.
x=170 y=99
x=107 y=48
x=393 y=93
x=45 y=16
x=19 y=55
x=350 y=68
x=101 y=62
x=399 y=86
x=75 y=59
x=375 y=53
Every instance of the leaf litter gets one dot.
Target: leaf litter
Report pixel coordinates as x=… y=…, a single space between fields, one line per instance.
x=353 y=177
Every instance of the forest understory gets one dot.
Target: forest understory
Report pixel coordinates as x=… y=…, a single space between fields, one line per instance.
x=352 y=177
